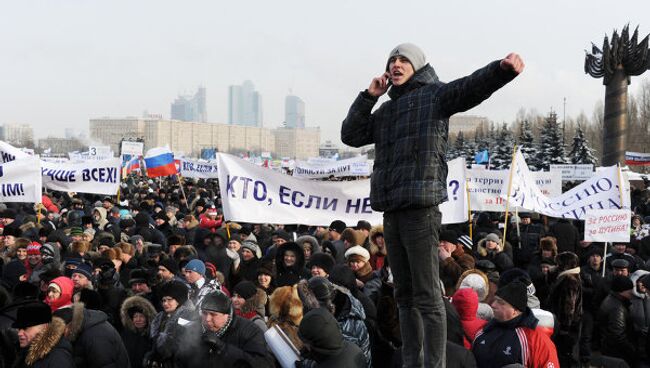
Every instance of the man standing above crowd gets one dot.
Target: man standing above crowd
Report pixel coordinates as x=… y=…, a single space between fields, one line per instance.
x=410 y=133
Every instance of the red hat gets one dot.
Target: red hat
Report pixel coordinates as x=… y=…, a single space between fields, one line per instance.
x=34 y=248
x=212 y=211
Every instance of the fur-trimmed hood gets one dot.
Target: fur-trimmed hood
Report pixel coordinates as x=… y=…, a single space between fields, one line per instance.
x=636 y=275
x=374 y=249
x=140 y=303
x=476 y=280
x=46 y=341
x=285 y=305
x=315 y=247
x=482 y=247
x=82 y=319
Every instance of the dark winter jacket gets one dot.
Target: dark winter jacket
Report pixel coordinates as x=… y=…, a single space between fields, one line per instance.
x=459 y=357
x=166 y=330
x=410 y=134
x=243 y=346
x=567 y=235
x=96 y=343
x=616 y=330
x=48 y=350
x=328 y=347
x=137 y=342
x=287 y=276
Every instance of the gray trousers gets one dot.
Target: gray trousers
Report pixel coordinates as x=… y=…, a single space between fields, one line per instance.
x=412 y=241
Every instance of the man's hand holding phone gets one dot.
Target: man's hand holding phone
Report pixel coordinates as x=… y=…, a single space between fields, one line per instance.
x=379 y=85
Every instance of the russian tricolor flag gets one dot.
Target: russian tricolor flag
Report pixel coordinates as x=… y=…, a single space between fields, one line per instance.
x=159 y=162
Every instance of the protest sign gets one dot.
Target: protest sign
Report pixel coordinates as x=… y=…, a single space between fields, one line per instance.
x=455 y=209
x=132 y=148
x=608 y=225
x=255 y=194
x=570 y=172
x=324 y=168
x=98 y=177
x=485 y=187
x=637 y=159
x=197 y=169
x=20 y=180
x=602 y=191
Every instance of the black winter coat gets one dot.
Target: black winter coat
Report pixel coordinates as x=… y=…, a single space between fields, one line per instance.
x=95 y=341
x=50 y=350
x=616 y=329
x=244 y=346
x=410 y=133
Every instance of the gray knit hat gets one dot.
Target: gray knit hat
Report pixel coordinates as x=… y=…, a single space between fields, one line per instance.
x=411 y=52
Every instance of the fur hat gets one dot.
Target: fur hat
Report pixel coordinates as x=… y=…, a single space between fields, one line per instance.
x=410 y=51
x=620 y=263
x=32 y=314
x=169 y=264
x=321 y=260
x=516 y=294
x=174 y=289
x=621 y=283
x=567 y=261
x=358 y=250
x=548 y=243
x=245 y=289
x=449 y=236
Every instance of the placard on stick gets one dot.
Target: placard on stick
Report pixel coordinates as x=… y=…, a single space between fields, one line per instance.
x=607 y=225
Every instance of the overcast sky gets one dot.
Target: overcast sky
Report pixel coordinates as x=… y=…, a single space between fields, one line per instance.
x=65 y=62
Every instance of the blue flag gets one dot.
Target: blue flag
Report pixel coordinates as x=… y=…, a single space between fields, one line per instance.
x=481 y=157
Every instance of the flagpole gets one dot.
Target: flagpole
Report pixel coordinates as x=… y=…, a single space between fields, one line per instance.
x=180 y=181
x=512 y=166
x=469 y=210
x=604 y=259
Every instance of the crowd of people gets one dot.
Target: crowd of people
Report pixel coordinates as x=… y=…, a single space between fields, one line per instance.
x=156 y=280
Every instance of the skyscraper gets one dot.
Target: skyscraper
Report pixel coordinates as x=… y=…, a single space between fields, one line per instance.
x=294 y=112
x=245 y=105
x=190 y=108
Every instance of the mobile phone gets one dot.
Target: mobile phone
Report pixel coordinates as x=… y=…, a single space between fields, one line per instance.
x=389 y=81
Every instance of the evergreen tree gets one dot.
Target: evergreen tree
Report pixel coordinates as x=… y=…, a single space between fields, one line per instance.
x=458 y=148
x=502 y=149
x=581 y=153
x=525 y=142
x=551 y=147
x=470 y=152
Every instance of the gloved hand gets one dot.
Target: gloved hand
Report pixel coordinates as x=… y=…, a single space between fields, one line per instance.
x=234 y=256
x=214 y=343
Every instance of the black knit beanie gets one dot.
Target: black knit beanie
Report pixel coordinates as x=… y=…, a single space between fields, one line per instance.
x=515 y=293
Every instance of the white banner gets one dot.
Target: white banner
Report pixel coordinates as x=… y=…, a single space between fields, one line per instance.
x=455 y=209
x=197 y=169
x=9 y=153
x=356 y=166
x=132 y=148
x=485 y=187
x=574 y=172
x=98 y=177
x=600 y=192
x=20 y=180
x=254 y=194
x=608 y=225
